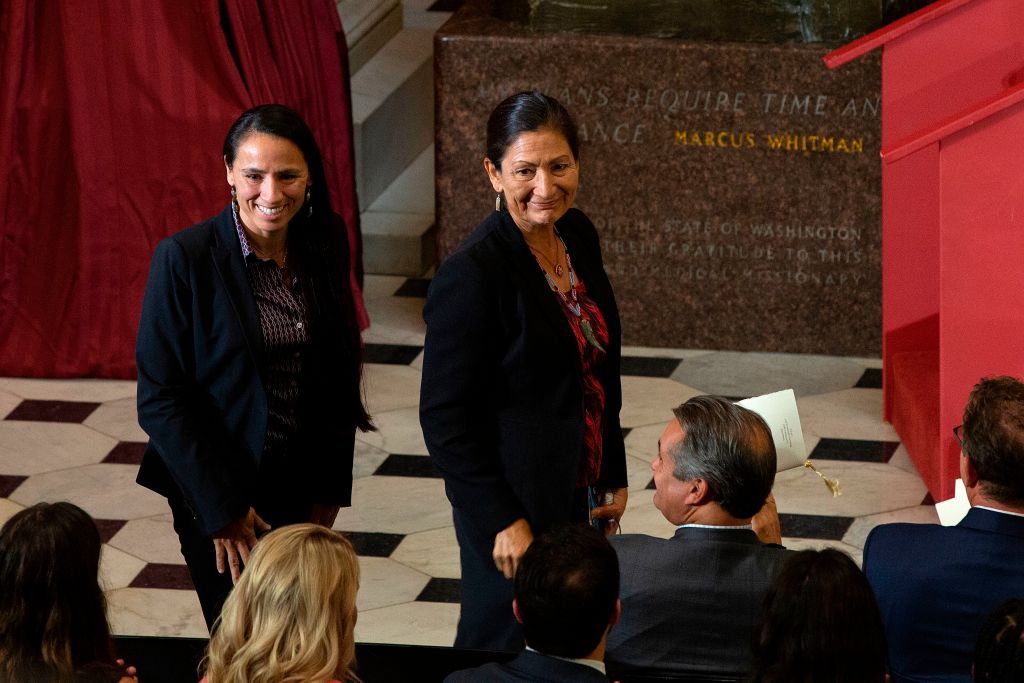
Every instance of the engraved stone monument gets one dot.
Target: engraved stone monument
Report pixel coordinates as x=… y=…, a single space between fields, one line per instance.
x=735 y=186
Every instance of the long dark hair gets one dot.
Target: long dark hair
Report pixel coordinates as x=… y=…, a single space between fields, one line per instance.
x=820 y=622
x=317 y=249
x=999 y=654
x=53 y=621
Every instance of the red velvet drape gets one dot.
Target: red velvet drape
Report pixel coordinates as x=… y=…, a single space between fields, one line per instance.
x=112 y=116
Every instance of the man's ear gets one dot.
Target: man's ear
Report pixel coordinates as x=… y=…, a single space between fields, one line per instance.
x=616 y=613
x=515 y=611
x=699 y=492
x=968 y=472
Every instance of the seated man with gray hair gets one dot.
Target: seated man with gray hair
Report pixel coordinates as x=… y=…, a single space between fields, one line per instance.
x=690 y=602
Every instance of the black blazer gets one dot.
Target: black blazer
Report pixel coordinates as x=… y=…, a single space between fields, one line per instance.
x=530 y=666
x=501 y=401
x=200 y=396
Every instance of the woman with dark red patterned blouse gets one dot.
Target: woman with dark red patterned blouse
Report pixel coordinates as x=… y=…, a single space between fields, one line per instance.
x=521 y=392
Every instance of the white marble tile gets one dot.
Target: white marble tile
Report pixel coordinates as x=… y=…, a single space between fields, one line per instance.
x=395 y=320
x=847 y=414
x=366 y=459
x=117 y=568
x=642 y=442
x=650 y=400
x=819 y=544
x=867 y=362
x=862 y=526
x=151 y=539
x=901 y=459
x=397 y=505
x=8 y=508
x=390 y=387
x=31 y=447
x=398 y=431
x=663 y=352
x=118 y=419
x=8 y=402
x=413 y=190
x=414 y=623
x=641 y=517
x=430 y=21
x=868 y=488
x=380 y=287
x=384 y=582
x=90 y=390
x=731 y=373
x=434 y=552
x=104 y=491
x=638 y=472
x=155 y=612
x=417 y=362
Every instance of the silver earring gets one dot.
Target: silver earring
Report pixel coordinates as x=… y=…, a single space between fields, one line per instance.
x=309 y=207
x=234 y=194
x=497 y=202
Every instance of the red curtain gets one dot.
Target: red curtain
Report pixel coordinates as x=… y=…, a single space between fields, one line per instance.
x=112 y=116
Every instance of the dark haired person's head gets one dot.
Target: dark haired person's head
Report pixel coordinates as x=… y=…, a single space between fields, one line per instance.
x=727 y=446
x=993 y=436
x=567 y=590
x=819 y=623
x=532 y=159
x=999 y=654
x=53 y=621
x=280 y=194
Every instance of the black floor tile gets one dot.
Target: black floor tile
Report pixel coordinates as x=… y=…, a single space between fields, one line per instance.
x=415 y=287
x=928 y=500
x=126 y=453
x=441 y=590
x=155 y=575
x=815 y=526
x=397 y=465
x=391 y=354
x=109 y=528
x=372 y=543
x=638 y=366
x=871 y=379
x=445 y=6
x=854 y=449
x=650 y=485
x=9 y=482
x=626 y=431
x=53 y=411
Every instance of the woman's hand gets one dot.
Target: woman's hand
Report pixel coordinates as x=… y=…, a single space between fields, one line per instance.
x=324 y=515
x=509 y=546
x=766 y=522
x=233 y=543
x=131 y=674
x=613 y=511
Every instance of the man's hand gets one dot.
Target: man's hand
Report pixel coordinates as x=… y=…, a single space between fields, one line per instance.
x=612 y=512
x=766 y=522
x=509 y=546
x=233 y=543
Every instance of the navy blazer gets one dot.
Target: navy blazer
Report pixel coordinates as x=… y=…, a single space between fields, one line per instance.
x=200 y=396
x=501 y=401
x=936 y=584
x=690 y=603
x=530 y=666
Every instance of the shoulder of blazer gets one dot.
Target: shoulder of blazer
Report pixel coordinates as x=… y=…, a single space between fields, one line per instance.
x=212 y=232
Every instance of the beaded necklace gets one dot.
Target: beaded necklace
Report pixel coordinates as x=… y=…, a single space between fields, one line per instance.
x=571 y=300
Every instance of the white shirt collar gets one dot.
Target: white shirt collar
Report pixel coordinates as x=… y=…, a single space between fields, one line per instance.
x=714 y=526
x=1002 y=512
x=592 y=663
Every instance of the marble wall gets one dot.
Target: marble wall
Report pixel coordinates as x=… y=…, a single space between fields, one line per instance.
x=736 y=186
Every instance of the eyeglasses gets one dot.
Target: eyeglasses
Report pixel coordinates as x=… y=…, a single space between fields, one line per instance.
x=957 y=433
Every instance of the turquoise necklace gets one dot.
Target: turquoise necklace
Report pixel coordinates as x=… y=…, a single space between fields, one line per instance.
x=572 y=301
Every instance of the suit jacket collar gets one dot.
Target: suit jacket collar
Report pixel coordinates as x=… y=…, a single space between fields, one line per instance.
x=227 y=258
x=540 y=667
x=704 y=534
x=532 y=282
x=993 y=522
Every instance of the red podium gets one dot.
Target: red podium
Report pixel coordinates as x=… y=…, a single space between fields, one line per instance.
x=952 y=215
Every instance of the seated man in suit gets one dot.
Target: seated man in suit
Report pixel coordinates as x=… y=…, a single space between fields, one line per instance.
x=935 y=584
x=566 y=598
x=690 y=602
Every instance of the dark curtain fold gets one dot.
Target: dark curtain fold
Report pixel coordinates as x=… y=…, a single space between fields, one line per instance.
x=112 y=116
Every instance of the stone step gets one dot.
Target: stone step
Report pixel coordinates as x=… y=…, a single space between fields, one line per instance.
x=398 y=228
x=392 y=110
x=369 y=25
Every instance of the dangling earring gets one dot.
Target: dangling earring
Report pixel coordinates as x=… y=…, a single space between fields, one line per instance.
x=309 y=207
x=497 y=202
x=234 y=195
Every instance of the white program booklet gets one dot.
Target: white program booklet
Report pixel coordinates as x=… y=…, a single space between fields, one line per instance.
x=951 y=511
x=779 y=410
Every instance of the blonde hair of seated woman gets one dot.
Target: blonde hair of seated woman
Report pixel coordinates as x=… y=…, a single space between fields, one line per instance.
x=291 y=616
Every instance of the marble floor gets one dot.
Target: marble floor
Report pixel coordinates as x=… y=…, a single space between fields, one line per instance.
x=78 y=440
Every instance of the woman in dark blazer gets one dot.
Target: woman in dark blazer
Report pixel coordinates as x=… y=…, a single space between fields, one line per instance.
x=521 y=394
x=248 y=356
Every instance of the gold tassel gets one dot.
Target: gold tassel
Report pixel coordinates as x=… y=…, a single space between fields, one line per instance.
x=832 y=484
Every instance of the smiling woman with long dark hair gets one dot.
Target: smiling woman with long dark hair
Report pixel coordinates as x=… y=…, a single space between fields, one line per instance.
x=249 y=356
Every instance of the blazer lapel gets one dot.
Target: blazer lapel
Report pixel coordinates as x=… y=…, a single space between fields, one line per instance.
x=532 y=282
x=227 y=258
